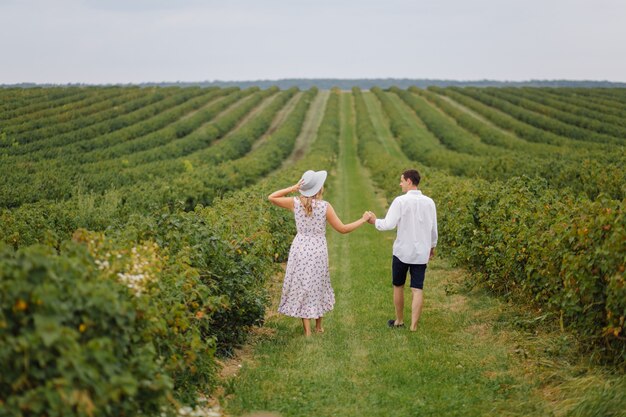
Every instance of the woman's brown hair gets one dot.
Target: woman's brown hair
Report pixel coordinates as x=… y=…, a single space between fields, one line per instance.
x=307 y=202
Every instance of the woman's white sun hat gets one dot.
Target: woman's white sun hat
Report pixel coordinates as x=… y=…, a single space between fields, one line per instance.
x=312 y=182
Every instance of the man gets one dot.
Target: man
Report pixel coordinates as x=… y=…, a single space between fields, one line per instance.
x=415 y=216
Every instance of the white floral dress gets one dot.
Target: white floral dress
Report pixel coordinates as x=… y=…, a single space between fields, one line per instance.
x=307 y=292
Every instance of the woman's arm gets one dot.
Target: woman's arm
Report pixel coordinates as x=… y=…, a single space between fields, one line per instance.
x=278 y=197
x=338 y=225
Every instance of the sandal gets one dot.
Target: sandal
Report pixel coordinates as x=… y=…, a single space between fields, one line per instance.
x=392 y=323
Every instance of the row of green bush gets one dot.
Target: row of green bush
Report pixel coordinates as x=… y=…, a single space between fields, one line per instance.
x=71 y=117
x=14 y=98
x=55 y=221
x=449 y=134
x=524 y=239
x=19 y=100
x=126 y=322
x=58 y=183
x=584 y=120
x=508 y=121
x=96 y=108
x=50 y=102
x=611 y=99
x=596 y=110
x=489 y=133
x=226 y=112
x=539 y=120
x=593 y=173
x=232 y=174
x=613 y=93
x=590 y=172
x=527 y=241
x=418 y=143
x=169 y=180
x=79 y=143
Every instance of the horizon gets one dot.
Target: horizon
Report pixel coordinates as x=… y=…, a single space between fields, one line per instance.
x=296 y=79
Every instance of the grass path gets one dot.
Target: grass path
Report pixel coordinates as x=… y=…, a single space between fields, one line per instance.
x=309 y=128
x=463 y=361
x=381 y=126
x=192 y=113
x=279 y=119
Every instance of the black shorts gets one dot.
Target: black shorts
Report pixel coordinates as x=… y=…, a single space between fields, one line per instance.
x=399 y=270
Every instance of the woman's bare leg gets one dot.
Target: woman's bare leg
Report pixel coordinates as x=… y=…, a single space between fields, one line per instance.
x=307 y=327
x=318 y=325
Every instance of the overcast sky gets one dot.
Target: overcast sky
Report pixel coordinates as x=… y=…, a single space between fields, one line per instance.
x=122 y=41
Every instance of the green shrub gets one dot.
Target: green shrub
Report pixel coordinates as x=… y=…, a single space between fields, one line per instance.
x=73 y=342
x=527 y=241
x=181 y=304
x=225 y=270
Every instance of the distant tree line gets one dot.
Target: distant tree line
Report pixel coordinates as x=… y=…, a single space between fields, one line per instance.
x=362 y=83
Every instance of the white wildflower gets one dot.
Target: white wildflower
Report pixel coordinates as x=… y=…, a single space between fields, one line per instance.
x=184 y=411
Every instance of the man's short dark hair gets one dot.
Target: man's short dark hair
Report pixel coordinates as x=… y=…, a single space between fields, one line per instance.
x=413 y=175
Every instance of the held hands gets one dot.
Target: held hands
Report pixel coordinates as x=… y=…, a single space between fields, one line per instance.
x=369 y=217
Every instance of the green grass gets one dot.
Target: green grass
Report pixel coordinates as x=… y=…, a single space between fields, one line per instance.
x=381 y=126
x=467 y=358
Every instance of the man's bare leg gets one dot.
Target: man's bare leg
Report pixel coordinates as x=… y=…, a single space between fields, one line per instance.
x=398 y=302
x=416 y=307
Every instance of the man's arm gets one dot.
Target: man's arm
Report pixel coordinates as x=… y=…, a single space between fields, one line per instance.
x=434 y=235
x=391 y=219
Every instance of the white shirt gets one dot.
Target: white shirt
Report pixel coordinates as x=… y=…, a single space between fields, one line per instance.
x=415 y=216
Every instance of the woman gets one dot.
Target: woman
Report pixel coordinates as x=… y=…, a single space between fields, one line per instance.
x=307 y=293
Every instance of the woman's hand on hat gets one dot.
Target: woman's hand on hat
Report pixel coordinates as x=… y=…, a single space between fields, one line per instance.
x=297 y=186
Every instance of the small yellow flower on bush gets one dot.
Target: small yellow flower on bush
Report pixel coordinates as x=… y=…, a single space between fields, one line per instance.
x=20 y=305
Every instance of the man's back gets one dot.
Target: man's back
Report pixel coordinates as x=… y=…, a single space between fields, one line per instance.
x=415 y=216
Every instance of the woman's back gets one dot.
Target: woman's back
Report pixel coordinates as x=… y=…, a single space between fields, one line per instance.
x=315 y=224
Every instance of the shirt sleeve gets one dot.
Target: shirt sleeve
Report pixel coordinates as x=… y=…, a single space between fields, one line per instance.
x=434 y=235
x=391 y=219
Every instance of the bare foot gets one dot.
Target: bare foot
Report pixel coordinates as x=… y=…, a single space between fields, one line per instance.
x=320 y=330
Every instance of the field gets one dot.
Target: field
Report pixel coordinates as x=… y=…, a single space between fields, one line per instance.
x=138 y=250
